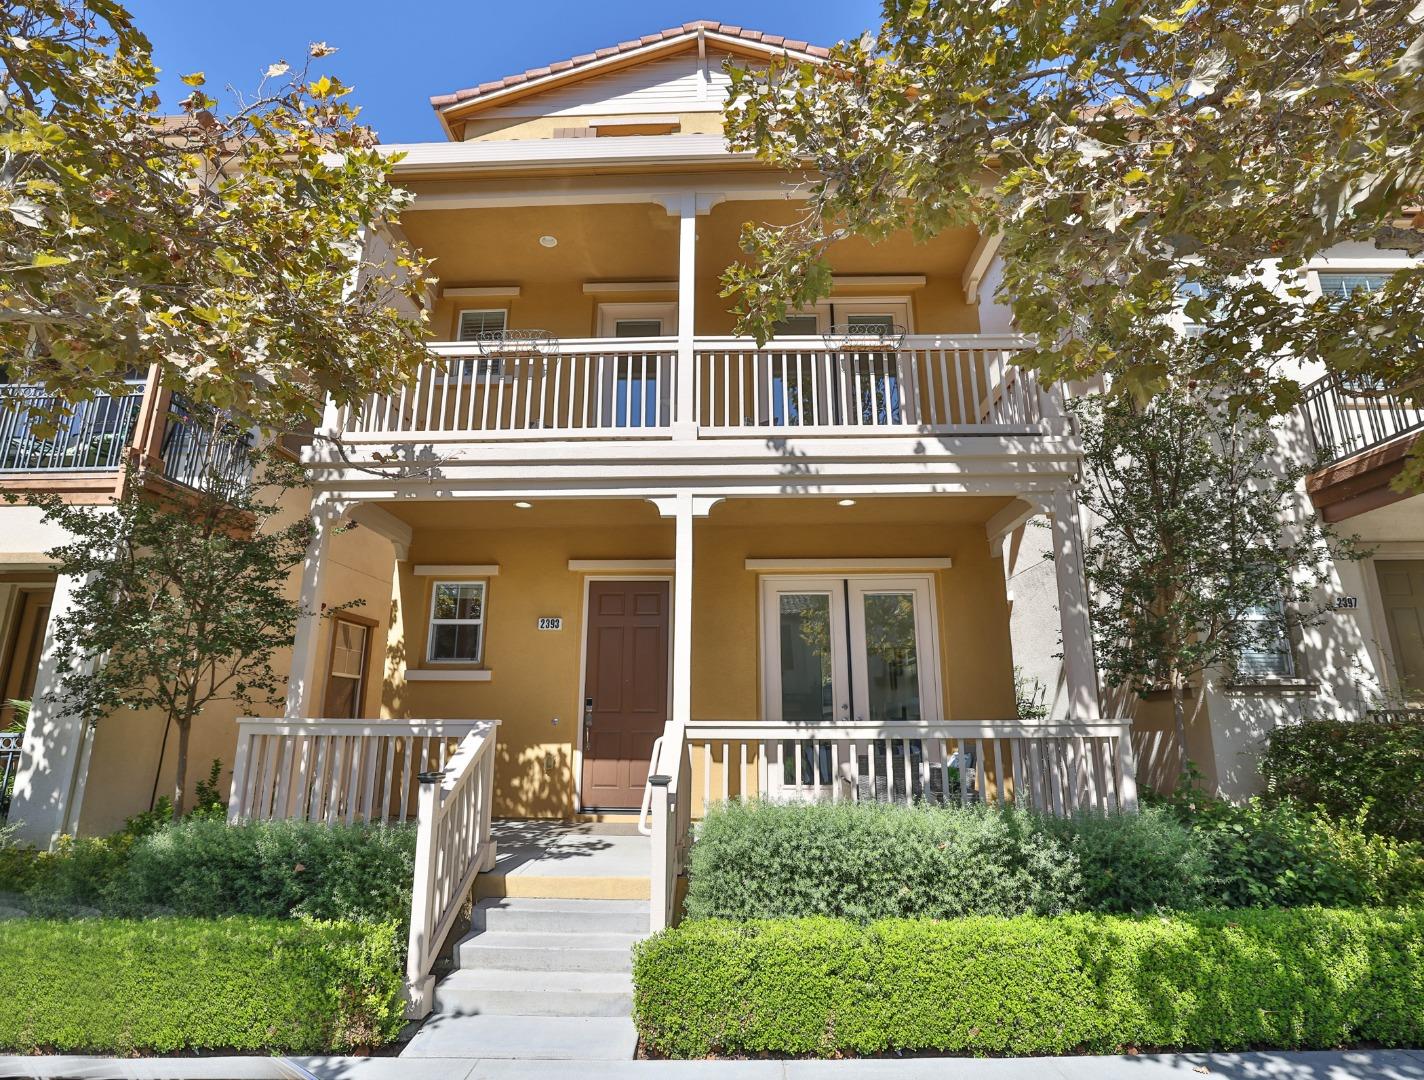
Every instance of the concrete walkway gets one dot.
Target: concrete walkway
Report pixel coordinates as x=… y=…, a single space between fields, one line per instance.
x=568 y=860
x=1308 y=1065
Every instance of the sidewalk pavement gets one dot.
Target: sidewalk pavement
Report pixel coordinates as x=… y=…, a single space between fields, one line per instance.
x=1270 y=1065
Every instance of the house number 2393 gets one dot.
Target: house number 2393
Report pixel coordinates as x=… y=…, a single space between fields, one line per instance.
x=550 y=622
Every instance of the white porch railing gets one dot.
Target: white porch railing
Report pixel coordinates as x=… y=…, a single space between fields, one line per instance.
x=619 y=388
x=1057 y=768
x=440 y=772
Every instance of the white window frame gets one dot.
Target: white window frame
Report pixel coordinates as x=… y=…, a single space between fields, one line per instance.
x=432 y=622
x=839 y=310
x=1351 y=271
x=851 y=694
x=610 y=315
x=1288 y=651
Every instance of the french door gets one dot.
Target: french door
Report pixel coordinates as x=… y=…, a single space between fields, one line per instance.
x=847 y=648
x=850 y=648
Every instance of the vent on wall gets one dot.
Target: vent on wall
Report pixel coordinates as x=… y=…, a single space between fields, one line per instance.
x=630 y=125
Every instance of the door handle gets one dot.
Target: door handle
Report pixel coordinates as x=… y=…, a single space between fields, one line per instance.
x=587 y=720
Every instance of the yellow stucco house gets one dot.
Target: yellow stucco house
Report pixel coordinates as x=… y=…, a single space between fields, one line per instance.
x=640 y=543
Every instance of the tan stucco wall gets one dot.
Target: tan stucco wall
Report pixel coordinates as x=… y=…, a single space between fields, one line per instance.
x=639 y=242
x=535 y=675
x=520 y=128
x=126 y=745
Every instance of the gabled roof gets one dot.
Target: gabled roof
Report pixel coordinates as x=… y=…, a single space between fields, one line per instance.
x=649 y=45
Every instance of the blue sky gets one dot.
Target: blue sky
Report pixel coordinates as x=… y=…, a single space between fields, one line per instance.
x=398 y=54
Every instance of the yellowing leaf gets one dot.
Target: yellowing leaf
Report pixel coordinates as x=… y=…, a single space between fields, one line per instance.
x=197 y=78
x=45 y=258
x=1134 y=176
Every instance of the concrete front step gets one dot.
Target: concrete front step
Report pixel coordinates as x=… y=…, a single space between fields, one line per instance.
x=514 y=950
x=555 y=916
x=534 y=1038
x=535 y=993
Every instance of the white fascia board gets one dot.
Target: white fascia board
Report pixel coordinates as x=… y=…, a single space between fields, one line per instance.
x=653 y=149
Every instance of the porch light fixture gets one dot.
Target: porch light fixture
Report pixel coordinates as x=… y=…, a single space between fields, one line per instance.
x=522 y=505
x=845 y=502
x=549 y=241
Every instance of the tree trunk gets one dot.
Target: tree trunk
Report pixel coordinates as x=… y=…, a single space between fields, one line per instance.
x=180 y=779
x=1179 y=717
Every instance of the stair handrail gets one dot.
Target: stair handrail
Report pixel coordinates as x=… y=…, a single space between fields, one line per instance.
x=645 y=825
x=452 y=846
x=672 y=816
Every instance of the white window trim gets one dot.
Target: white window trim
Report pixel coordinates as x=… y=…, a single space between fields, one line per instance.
x=1348 y=271
x=859 y=585
x=840 y=309
x=432 y=622
x=610 y=314
x=462 y=312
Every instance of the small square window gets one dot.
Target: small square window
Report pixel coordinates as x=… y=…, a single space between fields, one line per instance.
x=457 y=618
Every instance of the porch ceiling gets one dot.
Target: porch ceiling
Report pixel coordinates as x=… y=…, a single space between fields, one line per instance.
x=636 y=241
x=816 y=511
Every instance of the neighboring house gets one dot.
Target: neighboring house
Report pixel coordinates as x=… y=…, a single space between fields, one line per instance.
x=600 y=518
x=1368 y=653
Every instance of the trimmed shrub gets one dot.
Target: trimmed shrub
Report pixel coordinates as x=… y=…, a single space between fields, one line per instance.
x=867 y=861
x=1028 y=985
x=208 y=868
x=114 y=986
x=1349 y=767
x=270 y=868
x=1134 y=863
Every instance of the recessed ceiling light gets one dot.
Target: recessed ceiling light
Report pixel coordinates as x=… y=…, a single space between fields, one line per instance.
x=521 y=505
x=549 y=241
x=845 y=502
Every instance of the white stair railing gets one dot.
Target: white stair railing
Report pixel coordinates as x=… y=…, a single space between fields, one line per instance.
x=452 y=846
x=438 y=772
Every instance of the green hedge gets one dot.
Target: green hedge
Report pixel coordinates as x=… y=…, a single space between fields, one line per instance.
x=208 y=868
x=866 y=861
x=1290 y=979
x=114 y=986
x=1352 y=767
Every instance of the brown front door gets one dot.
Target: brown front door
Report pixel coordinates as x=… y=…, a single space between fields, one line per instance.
x=1402 y=590
x=626 y=692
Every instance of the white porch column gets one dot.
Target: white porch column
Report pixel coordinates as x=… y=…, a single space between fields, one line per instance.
x=683 y=508
x=49 y=785
x=1079 y=667
x=685 y=422
x=302 y=697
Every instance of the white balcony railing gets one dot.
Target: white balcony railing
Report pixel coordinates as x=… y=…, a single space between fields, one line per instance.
x=614 y=388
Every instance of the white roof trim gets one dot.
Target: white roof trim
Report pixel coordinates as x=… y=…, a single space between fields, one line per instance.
x=455 y=570
x=661 y=149
x=617 y=60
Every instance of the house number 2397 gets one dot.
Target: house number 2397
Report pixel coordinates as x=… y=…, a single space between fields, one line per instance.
x=550 y=622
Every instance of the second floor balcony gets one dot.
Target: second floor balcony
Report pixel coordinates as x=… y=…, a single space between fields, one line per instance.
x=84 y=447
x=851 y=384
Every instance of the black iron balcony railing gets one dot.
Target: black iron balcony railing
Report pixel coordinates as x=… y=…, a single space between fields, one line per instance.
x=91 y=436
x=1346 y=419
x=202 y=455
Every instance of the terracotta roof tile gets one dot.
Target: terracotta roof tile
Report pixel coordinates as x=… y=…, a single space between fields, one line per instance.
x=725 y=29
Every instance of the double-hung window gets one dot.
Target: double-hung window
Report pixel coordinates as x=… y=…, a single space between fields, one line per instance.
x=457 y=622
x=1341 y=286
x=1268 y=652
